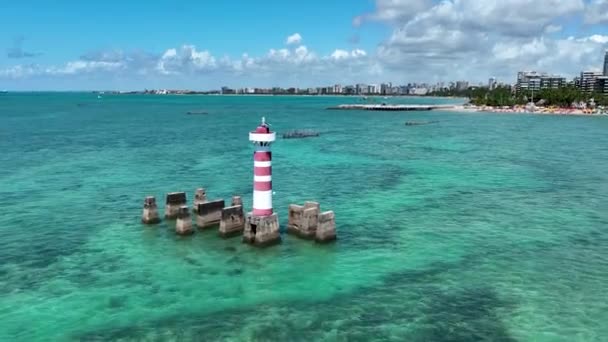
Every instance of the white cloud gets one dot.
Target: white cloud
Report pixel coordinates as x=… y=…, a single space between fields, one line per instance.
x=295 y=62
x=340 y=54
x=429 y=40
x=19 y=71
x=279 y=55
x=504 y=51
x=295 y=38
x=393 y=11
x=302 y=55
x=186 y=58
x=597 y=12
x=82 y=67
x=596 y=38
x=473 y=39
x=552 y=28
x=298 y=56
x=70 y=68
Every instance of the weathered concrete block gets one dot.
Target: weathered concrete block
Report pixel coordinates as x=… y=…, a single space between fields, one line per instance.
x=209 y=213
x=326 y=229
x=310 y=219
x=183 y=224
x=237 y=200
x=232 y=222
x=262 y=230
x=303 y=220
x=150 y=212
x=310 y=204
x=294 y=217
x=200 y=196
x=174 y=201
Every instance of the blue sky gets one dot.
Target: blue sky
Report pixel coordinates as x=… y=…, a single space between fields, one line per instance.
x=66 y=29
x=62 y=44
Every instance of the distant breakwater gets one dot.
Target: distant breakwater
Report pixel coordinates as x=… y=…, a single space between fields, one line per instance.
x=389 y=107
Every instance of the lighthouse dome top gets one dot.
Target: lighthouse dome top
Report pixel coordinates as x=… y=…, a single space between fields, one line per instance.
x=262 y=133
x=263 y=127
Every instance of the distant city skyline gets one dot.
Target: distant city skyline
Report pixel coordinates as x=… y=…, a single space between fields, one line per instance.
x=201 y=46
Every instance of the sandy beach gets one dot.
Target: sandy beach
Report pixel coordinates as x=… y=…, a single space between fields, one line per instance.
x=522 y=110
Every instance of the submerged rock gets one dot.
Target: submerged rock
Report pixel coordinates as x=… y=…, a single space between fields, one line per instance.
x=419 y=123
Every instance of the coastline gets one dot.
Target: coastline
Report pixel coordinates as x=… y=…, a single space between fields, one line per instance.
x=521 y=110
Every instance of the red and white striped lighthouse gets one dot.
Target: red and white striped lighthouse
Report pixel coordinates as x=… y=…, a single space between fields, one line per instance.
x=262 y=138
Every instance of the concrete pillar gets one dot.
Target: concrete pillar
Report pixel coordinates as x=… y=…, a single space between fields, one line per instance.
x=233 y=221
x=303 y=220
x=262 y=230
x=174 y=201
x=326 y=229
x=310 y=218
x=237 y=200
x=150 y=212
x=200 y=196
x=294 y=218
x=209 y=213
x=183 y=224
x=311 y=204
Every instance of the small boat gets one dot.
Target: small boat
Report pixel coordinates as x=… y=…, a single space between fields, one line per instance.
x=196 y=112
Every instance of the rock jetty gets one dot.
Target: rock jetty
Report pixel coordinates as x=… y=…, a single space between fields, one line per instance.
x=390 y=107
x=299 y=134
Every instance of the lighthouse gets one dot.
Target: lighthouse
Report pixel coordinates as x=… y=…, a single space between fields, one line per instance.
x=262 y=138
x=262 y=223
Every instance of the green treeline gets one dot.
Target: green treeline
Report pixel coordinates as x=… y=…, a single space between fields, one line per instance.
x=502 y=96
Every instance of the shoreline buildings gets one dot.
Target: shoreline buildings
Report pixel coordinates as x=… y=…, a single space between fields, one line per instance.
x=529 y=81
x=587 y=81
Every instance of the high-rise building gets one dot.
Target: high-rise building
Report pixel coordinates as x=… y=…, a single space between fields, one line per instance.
x=462 y=85
x=606 y=64
x=552 y=82
x=348 y=90
x=373 y=89
x=492 y=83
x=528 y=81
x=601 y=85
x=588 y=80
x=361 y=89
x=226 y=90
x=385 y=88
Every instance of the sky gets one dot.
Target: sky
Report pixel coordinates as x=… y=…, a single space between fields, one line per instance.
x=202 y=45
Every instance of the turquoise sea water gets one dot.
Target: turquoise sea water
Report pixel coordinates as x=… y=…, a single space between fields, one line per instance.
x=480 y=227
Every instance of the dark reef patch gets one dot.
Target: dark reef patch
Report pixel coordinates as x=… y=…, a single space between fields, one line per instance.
x=452 y=314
